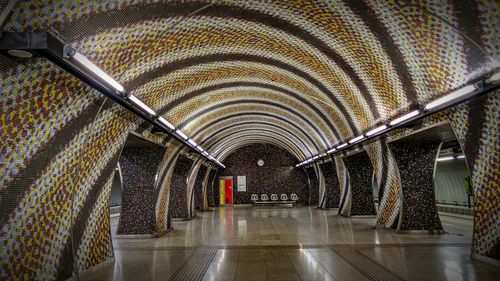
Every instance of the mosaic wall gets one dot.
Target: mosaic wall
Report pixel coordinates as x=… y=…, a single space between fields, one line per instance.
x=191 y=180
x=278 y=174
x=199 y=191
x=313 y=185
x=416 y=167
x=138 y=202
x=179 y=200
x=211 y=185
x=162 y=192
x=331 y=185
x=360 y=173
x=388 y=181
x=477 y=127
x=288 y=73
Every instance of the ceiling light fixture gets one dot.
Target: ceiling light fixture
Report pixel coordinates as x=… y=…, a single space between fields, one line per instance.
x=376 y=130
x=447 y=158
x=97 y=71
x=356 y=139
x=463 y=92
x=163 y=121
x=404 y=117
x=192 y=142
x=181 y=134
x=142 y=105
x=342 y=146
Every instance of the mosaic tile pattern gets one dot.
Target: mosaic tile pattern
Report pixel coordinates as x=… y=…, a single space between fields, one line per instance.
x=388 y=181
x=162 y=192
x=313 y=185
x=477 y=126
x=416 y=163
x=138 y=199
x=200 y=196
x=360 y=172
x=60 y=142
x=179 y=205
x=95 y=246
x=277 y=175
x=210 y=186
x=332 y=188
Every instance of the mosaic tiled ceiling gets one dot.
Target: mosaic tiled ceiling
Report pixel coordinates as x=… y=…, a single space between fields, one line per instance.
x=302 y=75
x=331 y=69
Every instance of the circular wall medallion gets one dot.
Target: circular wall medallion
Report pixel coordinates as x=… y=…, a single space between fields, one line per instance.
x=260 y=162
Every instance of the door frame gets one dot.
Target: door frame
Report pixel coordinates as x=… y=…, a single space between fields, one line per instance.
x=232 y=190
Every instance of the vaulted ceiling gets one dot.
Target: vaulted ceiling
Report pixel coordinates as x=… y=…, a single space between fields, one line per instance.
x=303 y=75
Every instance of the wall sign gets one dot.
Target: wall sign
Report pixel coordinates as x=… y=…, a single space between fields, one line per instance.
x=242 y=184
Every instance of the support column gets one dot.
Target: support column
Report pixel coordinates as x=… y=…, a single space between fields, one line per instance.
x=313 y=186
x=416 y=161
x=332 y=189
x=209 y=188
x=388 y=182
x=476 y=126
x=359 y=185
x=199 y=194
x=179 y=200
x=139 y=167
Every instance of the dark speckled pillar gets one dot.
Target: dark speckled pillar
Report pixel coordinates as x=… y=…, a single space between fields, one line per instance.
x=416 y=167
x=198 y=188
x=332 y=188
x=178 y=191
x=360 y=172
x=211 y=183
x=313 y=186
x=139 y=167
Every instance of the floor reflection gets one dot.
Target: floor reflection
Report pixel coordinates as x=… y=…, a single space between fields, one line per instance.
x=276 y=243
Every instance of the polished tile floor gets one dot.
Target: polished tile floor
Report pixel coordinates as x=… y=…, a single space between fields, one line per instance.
x=300 y=243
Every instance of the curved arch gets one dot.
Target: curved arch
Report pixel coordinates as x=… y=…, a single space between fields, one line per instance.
x=239 y=125
x=272 y=116
x=289 y=145
x=245 y=140
x=229 y=85
x=214 y=108
x=169 y=68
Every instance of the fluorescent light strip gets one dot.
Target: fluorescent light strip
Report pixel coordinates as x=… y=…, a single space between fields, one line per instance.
x=181 y=134
x=447 y=158
x=376 y=130
x=451 y=96
x=358 y=138
x=404 y=117
x=331 y=150
x=166 y=123
x=205 y=153
x=342 y=146
x=192 y=142
x=97 y=71
x=140 y=104
x=315 y=157
x=199 y=148
x=323 y=155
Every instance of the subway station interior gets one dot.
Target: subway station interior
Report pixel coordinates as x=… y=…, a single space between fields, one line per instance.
x=250 y=140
